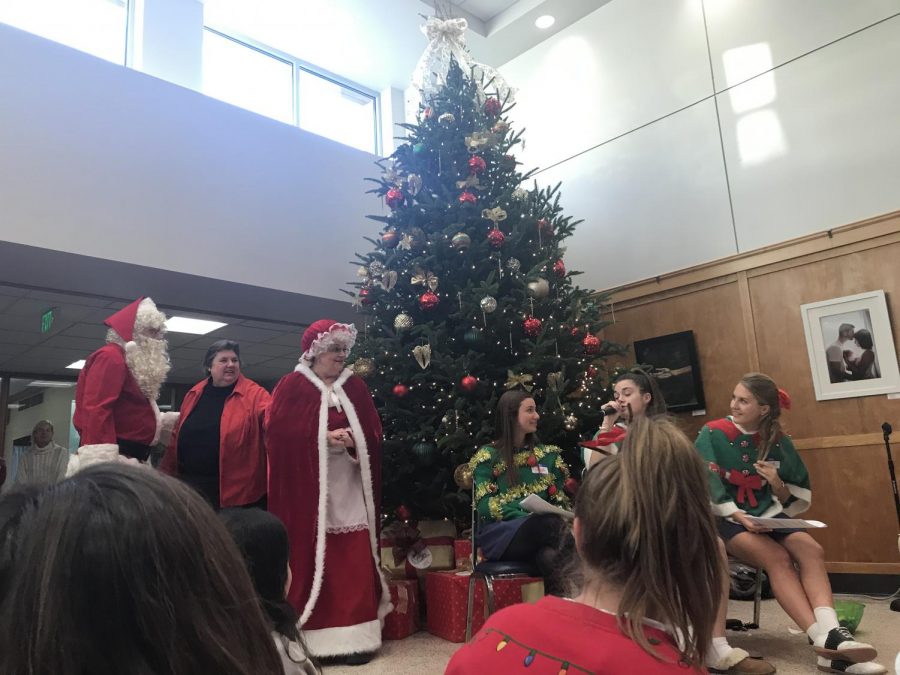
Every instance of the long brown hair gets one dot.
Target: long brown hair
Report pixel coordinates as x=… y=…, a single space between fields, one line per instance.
x=646 y=384
x=120 y=569
x=646 y=529
x=505 y=424
x=765 y=391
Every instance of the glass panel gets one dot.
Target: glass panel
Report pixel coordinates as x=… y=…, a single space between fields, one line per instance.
x=247 y=77
x=337 y=112
x=98 y=27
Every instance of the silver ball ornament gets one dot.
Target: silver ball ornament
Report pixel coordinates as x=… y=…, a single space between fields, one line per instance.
x=403 y=322
x=488 y=304
x=570 y=423
x=539 y=288
x=513 y=265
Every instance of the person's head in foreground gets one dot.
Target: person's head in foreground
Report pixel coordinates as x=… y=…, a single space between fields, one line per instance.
x=119 y=569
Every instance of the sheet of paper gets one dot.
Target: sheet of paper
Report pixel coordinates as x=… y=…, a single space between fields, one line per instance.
x=785 y=523
x=535 y=504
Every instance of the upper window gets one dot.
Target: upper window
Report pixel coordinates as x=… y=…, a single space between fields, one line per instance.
x=263 y=80
x=98 y=27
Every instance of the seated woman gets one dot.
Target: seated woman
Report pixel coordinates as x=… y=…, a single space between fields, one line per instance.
x=754 y=470
x=263 y=541
x=515 y=466
x=120 y=569
x=650 y=572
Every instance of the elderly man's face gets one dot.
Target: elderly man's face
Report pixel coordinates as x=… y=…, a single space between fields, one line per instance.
x=42 y=435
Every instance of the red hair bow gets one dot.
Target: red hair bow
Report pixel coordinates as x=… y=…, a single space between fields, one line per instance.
x=784 y=400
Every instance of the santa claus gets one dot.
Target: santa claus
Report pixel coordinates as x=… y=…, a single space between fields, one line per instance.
x=115 y=401
x=323 y=438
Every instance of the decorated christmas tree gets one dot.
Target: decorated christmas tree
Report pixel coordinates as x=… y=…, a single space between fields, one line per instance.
x=465 y=295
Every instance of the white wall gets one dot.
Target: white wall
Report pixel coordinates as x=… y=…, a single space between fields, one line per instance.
x=688 y=130
x=105 y=161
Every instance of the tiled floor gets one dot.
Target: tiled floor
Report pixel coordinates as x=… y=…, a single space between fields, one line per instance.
x=423 y=654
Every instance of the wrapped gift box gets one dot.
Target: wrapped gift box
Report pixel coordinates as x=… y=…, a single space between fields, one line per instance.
x=446 y=596
x=436 y=536
x=462 y=549
x=403 y=620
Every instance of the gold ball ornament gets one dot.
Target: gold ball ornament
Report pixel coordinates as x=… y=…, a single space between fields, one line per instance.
x=364 y=367
x=462 y=476
x=570 y=423
x=460 y=241
x=403 y=322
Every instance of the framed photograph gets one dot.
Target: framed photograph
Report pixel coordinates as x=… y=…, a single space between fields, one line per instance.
x=673 y=363
x=850 y=346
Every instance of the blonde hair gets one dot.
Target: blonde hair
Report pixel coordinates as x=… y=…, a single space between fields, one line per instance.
x=646 y=529
x=765 y=391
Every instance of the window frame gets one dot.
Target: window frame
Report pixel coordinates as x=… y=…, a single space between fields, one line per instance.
x=299 y=66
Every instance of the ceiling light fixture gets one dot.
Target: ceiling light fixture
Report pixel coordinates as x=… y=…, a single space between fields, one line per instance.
x=76 y=365
x=545 y=21
x=50 y=383
x=182 y=324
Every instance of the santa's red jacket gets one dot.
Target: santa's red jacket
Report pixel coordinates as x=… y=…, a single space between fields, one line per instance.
x=297 y=451
x=109 y=404
x=242 y=453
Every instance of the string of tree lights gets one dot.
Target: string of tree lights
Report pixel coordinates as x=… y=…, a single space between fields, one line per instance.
x=466 y=295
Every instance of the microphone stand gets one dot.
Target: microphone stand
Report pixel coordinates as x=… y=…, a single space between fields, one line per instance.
x=886 y=428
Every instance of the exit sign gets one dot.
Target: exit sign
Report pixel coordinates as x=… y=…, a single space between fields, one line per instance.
x=47 y=320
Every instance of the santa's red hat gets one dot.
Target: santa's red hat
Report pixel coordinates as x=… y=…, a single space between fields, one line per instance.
x=123 y=321
x=321 y=333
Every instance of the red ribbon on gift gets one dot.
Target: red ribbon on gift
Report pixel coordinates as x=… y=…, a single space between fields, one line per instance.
x=746 y=485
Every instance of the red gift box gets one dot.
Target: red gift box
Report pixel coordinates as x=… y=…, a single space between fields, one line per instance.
x=447 y=594
x=403 y=620
x=462 y=549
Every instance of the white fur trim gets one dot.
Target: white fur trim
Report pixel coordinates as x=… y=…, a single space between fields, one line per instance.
x=363 y=637
x=88 y=455
x=725 y=509
x=341 y=333
x=131 y=346
x=158 y=416
x=362 y=453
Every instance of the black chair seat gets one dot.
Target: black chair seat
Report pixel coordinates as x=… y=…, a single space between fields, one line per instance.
x=497 y=568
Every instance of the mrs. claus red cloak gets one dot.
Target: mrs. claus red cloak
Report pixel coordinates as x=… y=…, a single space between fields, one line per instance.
x=296 y=427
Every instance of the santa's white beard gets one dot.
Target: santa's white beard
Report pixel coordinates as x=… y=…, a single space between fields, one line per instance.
x=148 y=361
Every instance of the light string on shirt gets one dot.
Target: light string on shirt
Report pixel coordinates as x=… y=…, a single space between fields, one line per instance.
x=565 y=667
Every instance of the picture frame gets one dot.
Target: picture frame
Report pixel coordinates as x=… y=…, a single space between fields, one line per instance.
x=676 y=369
x=851 y=346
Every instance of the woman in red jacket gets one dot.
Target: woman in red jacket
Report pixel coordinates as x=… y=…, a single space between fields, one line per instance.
x=218 y=447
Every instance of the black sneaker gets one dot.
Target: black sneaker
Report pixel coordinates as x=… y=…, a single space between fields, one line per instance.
x=840 y=645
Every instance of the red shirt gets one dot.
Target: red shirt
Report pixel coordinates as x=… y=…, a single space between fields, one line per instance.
x=562 y=634
x=242 y=452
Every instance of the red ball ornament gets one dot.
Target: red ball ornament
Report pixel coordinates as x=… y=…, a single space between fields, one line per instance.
x=571 y=486
x=400 y=390
x=428 y=300
x=403 y=513
x=508 y=162
x=394 y=197
x=576 y=332
x=390 y=239
x=365 y=296
x=532 y=460
x=551 y=490
x=428 y=113
x=468 y=383
x=559 y=268
x=545 y=227
x=493 y=107
x=591 y=344
x=476 y=164
x=532 y=326
x=592 y=372
x=496 y=238
x=467 y=197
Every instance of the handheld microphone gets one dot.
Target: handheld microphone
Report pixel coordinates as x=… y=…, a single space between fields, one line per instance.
x=608 y=409
x=887 y=429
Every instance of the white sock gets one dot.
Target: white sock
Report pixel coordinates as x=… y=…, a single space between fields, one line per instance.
x=826 y=617
x=814 y=631
x=718 y=650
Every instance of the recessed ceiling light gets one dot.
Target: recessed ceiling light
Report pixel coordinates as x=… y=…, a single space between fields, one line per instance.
x=545 y=21
x=182 y=324
x=50 y=383
x=76 y=365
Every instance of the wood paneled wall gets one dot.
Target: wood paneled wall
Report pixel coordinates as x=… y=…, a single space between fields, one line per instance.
x=745 y=314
